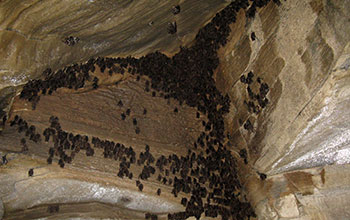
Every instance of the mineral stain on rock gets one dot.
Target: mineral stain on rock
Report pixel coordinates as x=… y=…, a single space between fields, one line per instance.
x=318 y=54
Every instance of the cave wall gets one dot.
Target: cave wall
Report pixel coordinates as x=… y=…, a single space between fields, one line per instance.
x=301 y=51
x=32 y=32
x=302 y=68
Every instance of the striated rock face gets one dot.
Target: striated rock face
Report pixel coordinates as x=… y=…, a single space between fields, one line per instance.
x=289 y=115
x=302 y=54
x=32 y=32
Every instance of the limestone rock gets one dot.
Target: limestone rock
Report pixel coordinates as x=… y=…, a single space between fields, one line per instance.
x=32 y=32
x=292 y=119
x=301 y=52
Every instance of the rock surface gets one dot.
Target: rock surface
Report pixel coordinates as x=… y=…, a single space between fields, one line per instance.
x=300 y=140
x=32 y=32
x=301 y=52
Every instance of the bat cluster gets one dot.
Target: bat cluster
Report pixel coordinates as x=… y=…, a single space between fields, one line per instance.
x=71 y=41
x=209 y=178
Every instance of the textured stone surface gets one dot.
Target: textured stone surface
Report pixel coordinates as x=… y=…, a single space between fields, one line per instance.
x=31 y=32
x=95 y=113
x=302 y=51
